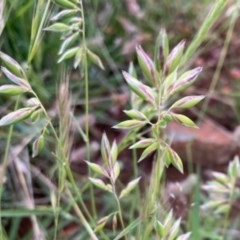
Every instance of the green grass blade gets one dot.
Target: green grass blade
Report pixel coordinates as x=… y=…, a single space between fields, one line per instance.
x=194 y=215
x=204 y=29
x=39 y=18
x=127 y=229
x=22 y=212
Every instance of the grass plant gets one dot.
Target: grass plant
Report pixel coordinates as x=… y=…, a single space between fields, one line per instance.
x=101 y=206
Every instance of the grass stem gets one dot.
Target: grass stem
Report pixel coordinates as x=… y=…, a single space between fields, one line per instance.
x=85 y=69
x=4 y=168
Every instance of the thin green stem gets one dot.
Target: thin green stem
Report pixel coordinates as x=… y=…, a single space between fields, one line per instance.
x=220 y=63
x=85 y=68
x=157 y=171
x=226 y=220
x=204 y=29
x=136 y=198
x=153 y=194
x=81 y=217
x=4 y=167
x=118 y=203
x=72 y=181
x=61 y=183
x=119 y=211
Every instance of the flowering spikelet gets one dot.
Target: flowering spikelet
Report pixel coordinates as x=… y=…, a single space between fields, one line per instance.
x=64 y=111
x=64 y=143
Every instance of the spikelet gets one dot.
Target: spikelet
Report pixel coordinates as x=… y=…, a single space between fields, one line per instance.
x=65 y=142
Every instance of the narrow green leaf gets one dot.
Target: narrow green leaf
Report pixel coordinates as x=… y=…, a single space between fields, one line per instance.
x=203 y=30
x=40 y=17
x=128 y=229
x=187 y=102
x=16 y=116
x=39 y=8
x=57 y=27
x=95 y=59
x=23 y=212
x=142 y=90
x=130 y=186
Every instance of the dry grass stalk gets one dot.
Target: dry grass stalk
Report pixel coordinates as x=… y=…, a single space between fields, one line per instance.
x=64 y=111
x=22 y=178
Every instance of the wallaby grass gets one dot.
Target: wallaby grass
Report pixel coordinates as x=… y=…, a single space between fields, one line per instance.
x=41 y=196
